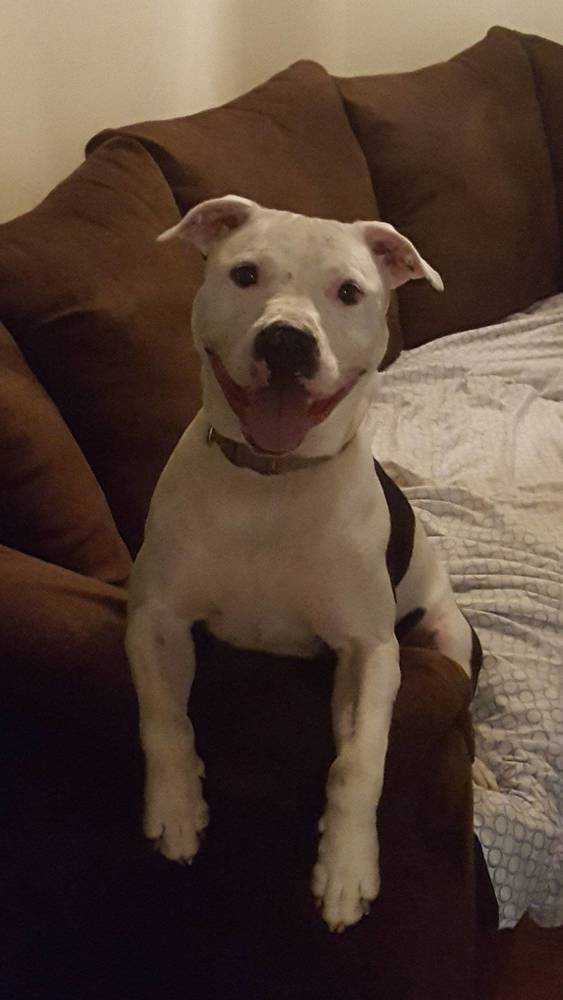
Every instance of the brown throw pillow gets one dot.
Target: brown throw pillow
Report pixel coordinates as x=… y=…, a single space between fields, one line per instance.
x=286 y=144
x=50 y=503
x=459 y=162
x=101 y=313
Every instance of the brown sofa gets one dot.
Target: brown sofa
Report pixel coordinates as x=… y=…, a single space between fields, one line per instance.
x=98 y=379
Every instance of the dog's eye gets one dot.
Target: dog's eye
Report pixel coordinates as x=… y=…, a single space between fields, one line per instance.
x=244 y=275
x=350 y=293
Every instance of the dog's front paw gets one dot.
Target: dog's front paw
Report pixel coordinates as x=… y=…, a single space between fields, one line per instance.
x=346 y=877
x=175 y=816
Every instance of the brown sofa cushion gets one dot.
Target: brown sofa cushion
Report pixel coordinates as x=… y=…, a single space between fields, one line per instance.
x=100 y=311
x=50 y=503
x=546 y=58
x=459 y=162
x=286 y=144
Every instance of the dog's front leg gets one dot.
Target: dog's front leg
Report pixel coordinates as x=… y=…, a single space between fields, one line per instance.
x=346 y=876
x=162 y=657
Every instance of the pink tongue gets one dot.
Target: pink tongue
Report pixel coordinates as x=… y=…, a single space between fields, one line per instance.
x=276 y=419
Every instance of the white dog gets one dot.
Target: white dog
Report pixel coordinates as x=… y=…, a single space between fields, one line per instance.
x=270 y=524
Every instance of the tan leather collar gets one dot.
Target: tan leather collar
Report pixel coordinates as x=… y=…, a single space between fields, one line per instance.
x=267 y=465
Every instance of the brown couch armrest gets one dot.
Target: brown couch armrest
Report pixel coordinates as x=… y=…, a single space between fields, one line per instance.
x=61 y=637
x=263 y=727
x=50 y=503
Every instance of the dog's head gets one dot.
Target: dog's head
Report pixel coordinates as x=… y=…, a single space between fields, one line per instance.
x=290 y=321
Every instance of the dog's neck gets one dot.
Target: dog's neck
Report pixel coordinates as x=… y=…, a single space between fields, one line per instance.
x=245 y=457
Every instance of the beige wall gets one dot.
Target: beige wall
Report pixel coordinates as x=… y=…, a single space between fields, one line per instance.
x=72 y=67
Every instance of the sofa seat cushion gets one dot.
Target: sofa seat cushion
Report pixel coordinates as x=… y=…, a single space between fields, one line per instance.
x=460 y=163
x=51 y=505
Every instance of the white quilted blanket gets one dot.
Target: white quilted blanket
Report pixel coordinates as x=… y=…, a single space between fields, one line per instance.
x=471 y=427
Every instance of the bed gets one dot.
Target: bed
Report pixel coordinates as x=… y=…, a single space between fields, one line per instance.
x=471 y=426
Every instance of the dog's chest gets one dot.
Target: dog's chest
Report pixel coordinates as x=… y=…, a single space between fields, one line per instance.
x=265 y=554
x=259 y=599
x=260 y=605
x=282 y=564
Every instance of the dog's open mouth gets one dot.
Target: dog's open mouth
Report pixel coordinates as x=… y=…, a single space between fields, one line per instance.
x=275 y=418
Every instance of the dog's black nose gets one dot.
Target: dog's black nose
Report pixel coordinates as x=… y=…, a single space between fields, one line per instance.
x=287 y=351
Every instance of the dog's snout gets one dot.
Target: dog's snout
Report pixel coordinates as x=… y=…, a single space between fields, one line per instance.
x=287 y=350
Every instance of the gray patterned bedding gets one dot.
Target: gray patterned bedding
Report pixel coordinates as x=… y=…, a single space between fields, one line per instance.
x=471 y=427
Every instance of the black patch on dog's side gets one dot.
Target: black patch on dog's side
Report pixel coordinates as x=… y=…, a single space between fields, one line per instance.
x=476 y=661
x=401 y=535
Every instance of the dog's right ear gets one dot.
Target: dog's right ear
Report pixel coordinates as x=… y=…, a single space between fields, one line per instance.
x=210 y=220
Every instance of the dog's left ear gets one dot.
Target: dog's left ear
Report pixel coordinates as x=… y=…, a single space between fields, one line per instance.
x=210 y=220
x=395 y=255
